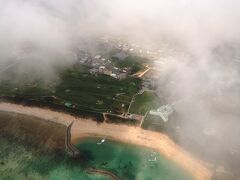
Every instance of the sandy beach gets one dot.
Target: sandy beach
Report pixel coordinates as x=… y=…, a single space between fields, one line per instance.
x=87 y=128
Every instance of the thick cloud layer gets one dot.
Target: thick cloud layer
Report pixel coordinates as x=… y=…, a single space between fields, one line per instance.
x=197 y=26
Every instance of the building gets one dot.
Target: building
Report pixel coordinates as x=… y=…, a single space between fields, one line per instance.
x=163 y=112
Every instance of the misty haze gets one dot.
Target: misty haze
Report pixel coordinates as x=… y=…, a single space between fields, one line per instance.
x=120 y=89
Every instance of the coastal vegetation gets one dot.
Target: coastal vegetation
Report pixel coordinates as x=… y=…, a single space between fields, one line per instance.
x=121 y=120
x=76 y=91
x=145 y=102
x=101 y=93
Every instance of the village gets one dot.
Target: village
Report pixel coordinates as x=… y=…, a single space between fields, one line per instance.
x=112 y=57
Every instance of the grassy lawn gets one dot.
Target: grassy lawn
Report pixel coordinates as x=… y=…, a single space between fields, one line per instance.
x=145 y=102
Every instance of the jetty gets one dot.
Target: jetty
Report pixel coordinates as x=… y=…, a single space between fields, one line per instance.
x=69 y=146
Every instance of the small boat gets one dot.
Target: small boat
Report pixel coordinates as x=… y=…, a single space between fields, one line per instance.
x=102 y=141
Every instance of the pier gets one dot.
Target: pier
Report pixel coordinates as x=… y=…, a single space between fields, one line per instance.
x=69 y=146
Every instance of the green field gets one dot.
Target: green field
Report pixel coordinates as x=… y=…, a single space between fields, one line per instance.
x=77 y=88
x=145 y=102
x=101 y=92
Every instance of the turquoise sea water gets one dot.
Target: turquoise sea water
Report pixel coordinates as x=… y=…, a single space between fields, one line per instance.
x=18 y=162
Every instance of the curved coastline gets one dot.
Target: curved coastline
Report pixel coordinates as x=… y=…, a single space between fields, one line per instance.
x=83 y=128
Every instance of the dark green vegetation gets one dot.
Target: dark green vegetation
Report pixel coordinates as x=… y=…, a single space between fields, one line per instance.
x=154 y=123
x=99 y=93
x=145 y=102
x=120 y=120
x=76 y=90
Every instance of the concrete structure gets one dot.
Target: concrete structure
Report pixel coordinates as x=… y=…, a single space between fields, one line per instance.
x=69 y=146
x=163 y=112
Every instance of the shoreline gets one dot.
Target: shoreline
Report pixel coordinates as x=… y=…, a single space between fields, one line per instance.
x=83 y=128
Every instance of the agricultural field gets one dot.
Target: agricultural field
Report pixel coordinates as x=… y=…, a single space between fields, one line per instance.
x=100 y=93
x=78 y=88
